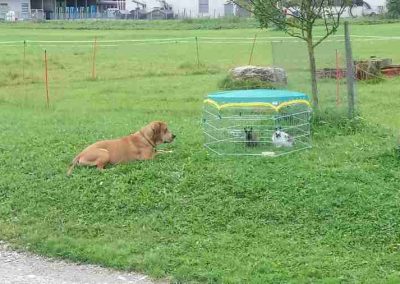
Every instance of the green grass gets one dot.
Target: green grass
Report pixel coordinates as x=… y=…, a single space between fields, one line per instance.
x=328 y=215
x=229 y=83
x=185 y=24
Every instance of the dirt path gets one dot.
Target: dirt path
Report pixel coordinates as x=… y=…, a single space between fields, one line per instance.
x=25 y=268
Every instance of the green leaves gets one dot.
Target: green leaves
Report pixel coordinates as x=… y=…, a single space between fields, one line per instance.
x=393 y=7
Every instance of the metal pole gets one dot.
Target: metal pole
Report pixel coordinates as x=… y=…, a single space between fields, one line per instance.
x=252 y=49
x=337 y=79
x=198 y=58
x=46 y=79
x=94 y=58
x=350 y=72
x=23 y=62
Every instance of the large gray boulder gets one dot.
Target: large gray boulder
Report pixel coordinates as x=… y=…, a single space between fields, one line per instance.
x=268 y=74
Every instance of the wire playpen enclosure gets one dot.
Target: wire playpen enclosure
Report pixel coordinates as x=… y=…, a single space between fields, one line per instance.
x=257 y=122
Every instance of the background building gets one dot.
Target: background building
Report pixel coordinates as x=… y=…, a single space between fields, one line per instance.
x=146 y=9
x=21 y=8
x=189 y=8
x=128 y=9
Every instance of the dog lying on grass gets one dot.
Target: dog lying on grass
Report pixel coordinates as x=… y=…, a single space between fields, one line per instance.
x=140 y=145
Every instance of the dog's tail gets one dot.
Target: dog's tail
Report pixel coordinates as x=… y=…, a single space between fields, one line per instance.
x=73 y=164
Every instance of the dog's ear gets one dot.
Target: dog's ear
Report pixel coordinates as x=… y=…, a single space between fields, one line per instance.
x=156 y=128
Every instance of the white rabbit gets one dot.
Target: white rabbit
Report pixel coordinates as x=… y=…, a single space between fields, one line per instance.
x=281 y=138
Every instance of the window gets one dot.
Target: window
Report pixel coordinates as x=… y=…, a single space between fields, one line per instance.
x=203 y=6
x=3 y=10
x=25 y=10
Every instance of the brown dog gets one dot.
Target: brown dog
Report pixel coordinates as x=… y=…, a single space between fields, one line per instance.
x=140 y=145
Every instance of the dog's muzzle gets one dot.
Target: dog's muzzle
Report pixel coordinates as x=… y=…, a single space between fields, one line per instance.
x=170 y=140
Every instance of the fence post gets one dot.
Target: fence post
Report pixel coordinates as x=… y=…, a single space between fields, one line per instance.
x=252 y=49
x=350 y=72
x=23 y=62
x=337 y=79
x=46 y=79
x=94 y=59
x=198 y=58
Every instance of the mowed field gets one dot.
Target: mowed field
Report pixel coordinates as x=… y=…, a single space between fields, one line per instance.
x=327 y=215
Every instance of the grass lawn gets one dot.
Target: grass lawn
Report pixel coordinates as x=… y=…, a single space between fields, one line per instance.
x=328 y=215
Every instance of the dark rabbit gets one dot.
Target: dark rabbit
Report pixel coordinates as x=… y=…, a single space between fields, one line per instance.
x=251 y=137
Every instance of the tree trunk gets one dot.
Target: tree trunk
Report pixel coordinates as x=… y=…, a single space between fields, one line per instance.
x=313 y=70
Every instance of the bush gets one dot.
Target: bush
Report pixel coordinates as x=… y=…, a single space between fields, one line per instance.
x=338 y=122
x=393 y=8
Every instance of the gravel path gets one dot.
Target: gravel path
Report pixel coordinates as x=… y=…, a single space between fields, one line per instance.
x=25 y=268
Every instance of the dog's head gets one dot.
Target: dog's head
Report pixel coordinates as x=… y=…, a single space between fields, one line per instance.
x=158 y=132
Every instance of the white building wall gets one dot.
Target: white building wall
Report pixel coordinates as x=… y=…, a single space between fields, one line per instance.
x=16 y=6
x=188 y=7
x=376 y=3
x=150 y=4
x=191 y=7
